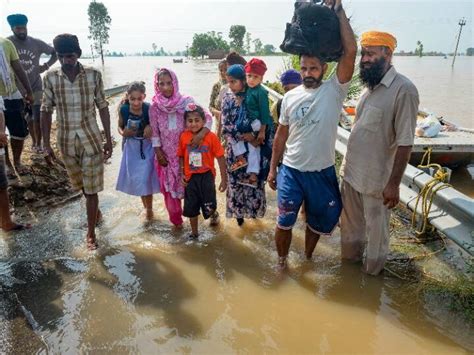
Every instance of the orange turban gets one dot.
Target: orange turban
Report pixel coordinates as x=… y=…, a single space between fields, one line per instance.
x=376 y=38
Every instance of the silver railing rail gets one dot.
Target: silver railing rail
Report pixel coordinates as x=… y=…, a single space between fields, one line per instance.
x=115 y=90
x=452 y=212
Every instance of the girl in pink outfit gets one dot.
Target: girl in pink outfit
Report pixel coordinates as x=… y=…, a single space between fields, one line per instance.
x=167 y=122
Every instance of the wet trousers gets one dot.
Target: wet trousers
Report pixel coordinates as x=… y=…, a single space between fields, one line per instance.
x=173 y=205
x=364 y=227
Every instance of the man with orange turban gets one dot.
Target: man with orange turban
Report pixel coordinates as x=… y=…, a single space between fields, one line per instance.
x=378 y=151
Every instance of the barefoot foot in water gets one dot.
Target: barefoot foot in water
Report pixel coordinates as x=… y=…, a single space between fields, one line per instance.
x=92 y=243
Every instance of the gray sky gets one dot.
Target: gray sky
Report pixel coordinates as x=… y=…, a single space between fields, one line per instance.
x=136 y=24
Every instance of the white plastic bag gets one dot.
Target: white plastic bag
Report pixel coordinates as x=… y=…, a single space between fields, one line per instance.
x=428 y=127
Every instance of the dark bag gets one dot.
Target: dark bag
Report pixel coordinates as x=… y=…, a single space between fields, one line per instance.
x=314 y=30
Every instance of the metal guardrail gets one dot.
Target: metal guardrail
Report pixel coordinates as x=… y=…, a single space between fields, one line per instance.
x=115 y=90
x=452 y=212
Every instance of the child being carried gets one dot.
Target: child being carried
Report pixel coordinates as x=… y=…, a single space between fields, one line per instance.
x=256 y=120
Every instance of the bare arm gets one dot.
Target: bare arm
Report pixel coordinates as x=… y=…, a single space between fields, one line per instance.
x=197 y=139
x=2 y=122
x=105 y=119
x=21 y=75
x=391 y=193
x=345 y=67
x=279 y=144
x=45 y=123
x=52 y=59
x=181 y=172
x=3 y=136
x=223 y=170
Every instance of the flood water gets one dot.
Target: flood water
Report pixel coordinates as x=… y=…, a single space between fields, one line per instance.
x=148 y=289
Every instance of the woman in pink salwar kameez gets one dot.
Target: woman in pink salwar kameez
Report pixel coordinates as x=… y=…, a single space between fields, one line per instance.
x=167 y=122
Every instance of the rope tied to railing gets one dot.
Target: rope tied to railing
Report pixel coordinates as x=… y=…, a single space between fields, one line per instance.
x=427 y=193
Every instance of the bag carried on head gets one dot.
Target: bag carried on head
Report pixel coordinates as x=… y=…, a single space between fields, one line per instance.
x=314 y=30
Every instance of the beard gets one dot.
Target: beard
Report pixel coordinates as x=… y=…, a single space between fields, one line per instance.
x=21 y=36
x=68 y=67
x=372 y=75
x=311 y=82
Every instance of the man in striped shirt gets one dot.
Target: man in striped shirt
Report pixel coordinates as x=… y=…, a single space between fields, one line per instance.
x=76 y=91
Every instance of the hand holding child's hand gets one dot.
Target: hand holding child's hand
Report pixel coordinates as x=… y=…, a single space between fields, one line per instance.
x=128 y=133
x=223 y=185
x=147 y=132
x=184 y=182
x=161 y=157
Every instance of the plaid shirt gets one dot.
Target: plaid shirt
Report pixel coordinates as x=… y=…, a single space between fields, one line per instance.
x=75 y=104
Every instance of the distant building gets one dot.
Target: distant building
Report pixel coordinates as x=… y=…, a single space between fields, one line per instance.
x=470 y=52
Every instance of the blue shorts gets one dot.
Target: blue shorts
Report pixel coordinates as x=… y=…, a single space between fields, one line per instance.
x=320 y=192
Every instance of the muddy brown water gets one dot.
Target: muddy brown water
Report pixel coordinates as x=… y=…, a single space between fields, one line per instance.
x=148 y=289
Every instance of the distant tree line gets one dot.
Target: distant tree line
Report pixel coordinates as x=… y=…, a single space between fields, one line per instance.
x=240 y=41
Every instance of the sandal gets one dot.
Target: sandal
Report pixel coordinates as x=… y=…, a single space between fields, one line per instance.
x=193 y=236
x=238 y=165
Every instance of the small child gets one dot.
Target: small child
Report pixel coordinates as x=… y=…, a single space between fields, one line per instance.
x=259 y=117
x=137 y=176
x=197 y=169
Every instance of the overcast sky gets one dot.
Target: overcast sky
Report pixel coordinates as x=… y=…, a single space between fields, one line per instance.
x=136 y=24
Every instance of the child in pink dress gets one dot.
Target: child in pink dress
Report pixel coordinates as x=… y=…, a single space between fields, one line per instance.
x=167 y=123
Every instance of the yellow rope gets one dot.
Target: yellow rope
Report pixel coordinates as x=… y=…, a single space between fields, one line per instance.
x=428 y=192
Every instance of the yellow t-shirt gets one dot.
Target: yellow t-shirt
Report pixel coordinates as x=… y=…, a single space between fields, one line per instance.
x=10 y=54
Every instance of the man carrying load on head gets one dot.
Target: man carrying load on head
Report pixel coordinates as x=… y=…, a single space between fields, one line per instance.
x=306 y=139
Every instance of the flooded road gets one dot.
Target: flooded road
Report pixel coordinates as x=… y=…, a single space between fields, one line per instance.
x=148 y=289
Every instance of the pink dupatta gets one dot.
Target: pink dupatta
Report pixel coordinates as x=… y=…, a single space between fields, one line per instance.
x=167 y=123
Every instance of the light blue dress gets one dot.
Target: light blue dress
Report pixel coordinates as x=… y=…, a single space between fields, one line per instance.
x=137 y=176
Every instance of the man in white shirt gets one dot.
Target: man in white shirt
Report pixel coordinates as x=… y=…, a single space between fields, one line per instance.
x=306 y=139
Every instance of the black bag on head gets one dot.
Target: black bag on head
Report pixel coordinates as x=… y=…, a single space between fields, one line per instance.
x=313 y=30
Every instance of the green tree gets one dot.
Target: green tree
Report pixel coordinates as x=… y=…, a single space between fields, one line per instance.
x=258 y=46
x=205 y=42
x=248 y=40
x=269 y=49
x=99 y=26
x=236 y=34
x=419 y=49
x=470 y=52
